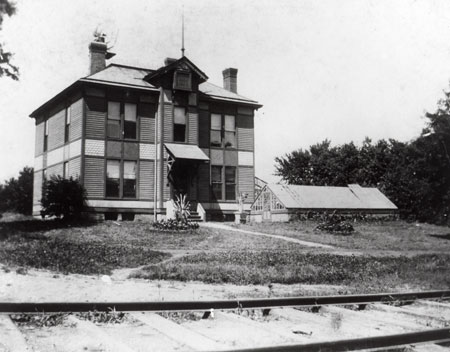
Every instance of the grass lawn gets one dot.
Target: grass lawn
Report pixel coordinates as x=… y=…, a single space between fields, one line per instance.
x=220 y=256
x=370 y=237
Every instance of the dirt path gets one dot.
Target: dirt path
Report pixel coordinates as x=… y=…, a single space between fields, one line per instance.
x=287 y=239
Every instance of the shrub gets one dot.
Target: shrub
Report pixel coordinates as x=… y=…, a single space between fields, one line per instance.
x=63 y=198
x=335 y=224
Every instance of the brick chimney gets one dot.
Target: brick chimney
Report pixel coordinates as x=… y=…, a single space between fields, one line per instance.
x=230 y=79
x=98 y=52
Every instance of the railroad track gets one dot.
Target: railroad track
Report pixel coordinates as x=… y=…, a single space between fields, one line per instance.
x=417 y=321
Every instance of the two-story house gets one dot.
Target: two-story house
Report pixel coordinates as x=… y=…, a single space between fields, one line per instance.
x=137 y=137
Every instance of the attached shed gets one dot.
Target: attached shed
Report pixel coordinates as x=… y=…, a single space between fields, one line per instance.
x=277 y=202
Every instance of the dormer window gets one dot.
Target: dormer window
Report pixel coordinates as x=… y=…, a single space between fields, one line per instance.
x=182 y=80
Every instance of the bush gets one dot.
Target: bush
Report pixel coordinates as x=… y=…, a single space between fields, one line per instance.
x=63 y=198
x=335 y=224
x=174 y=225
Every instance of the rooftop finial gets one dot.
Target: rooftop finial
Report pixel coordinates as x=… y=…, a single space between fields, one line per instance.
x=182 y=32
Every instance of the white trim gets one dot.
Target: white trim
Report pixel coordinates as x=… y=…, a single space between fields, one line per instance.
x=55 y=156
x=101 y=203
x=224 y=206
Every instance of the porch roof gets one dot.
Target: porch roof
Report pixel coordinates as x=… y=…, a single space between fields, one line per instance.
x=186 y=151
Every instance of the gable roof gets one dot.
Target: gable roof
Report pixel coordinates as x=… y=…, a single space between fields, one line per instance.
x=184 y=60
x=133 y=77
x=324 y=197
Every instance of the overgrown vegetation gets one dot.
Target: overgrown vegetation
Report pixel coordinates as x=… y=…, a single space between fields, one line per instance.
x=414 y=175
x=63 y=197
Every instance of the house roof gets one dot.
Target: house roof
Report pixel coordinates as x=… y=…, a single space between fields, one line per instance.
x=184 y=60
x=186 y=151
x=133 y=77
x=324 y=197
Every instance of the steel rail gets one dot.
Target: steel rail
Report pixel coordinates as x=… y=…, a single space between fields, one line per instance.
x=422 y=337
x=55 y=307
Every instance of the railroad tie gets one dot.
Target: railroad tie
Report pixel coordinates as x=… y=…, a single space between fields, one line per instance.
x=179 y=333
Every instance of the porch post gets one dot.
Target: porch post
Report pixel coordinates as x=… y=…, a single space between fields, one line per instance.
x=160 y=150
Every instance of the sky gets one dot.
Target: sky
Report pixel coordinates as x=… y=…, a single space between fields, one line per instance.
x=323 y=69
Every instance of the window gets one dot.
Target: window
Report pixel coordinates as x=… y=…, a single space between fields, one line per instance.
x=230 y=183
x=230 y=131
x=113 y=178
x=216 y=130
x=182 y=80
x=129 y=124
x=129 y=179
x=216 y=180
x=179 y=124
x=223 y=190
x=121 y=179
x=113 y=124
x=67 y=125
x=45 y=135
x=223 y=131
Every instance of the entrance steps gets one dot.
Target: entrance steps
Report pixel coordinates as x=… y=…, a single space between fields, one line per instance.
x=194 y=217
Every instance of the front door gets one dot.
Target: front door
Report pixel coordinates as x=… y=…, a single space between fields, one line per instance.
x=182 y=178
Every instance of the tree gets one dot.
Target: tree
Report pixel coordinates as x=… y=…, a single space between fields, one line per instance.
x=17 y=194
x=62 y=197
x=7 y=8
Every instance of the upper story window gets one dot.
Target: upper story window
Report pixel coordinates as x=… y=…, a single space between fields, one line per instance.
x=223 y=131
x=45 y=135
x=179 y=124
x=67 y=124
x=230 y=131
x=122 y=120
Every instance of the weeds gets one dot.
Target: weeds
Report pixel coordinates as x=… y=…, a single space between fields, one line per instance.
x=110 y=317
x=39 y=320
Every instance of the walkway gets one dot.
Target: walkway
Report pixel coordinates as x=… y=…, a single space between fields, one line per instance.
x=221 y=226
